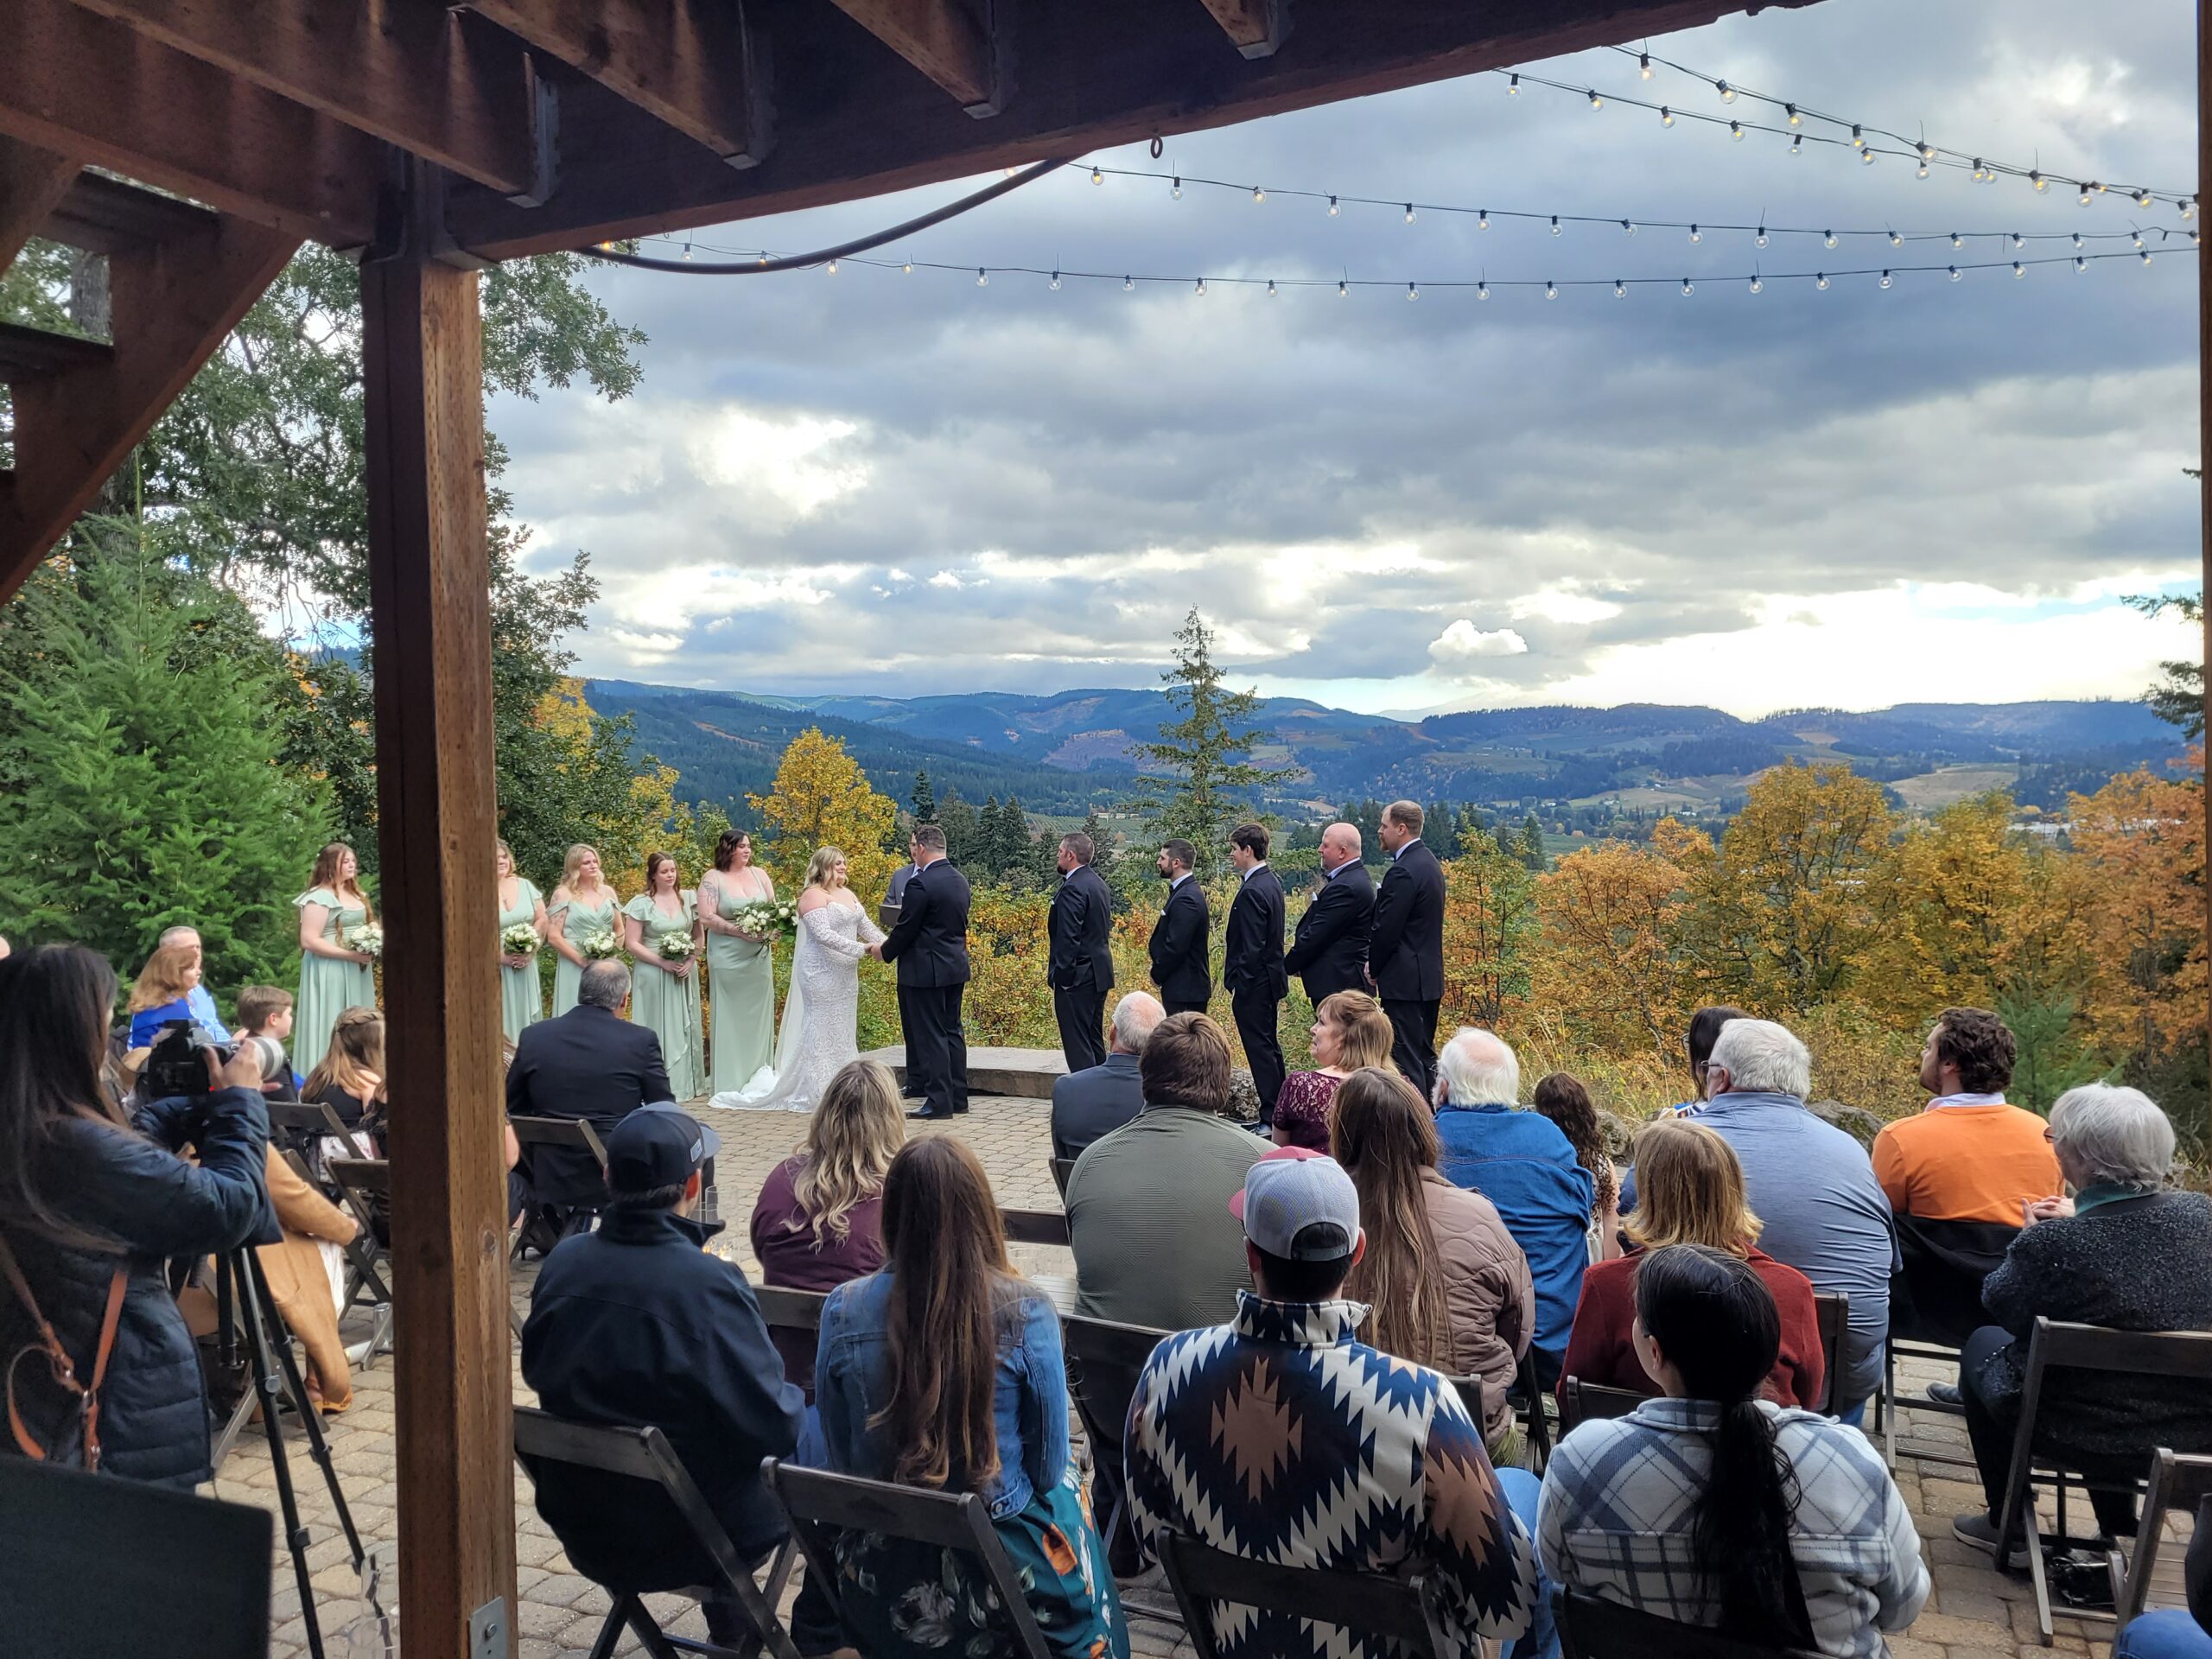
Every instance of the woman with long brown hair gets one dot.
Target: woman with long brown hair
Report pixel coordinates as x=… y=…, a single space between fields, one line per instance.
x=661 y=926
x=334 y=975
x=1449 y=1288
x=1350 y=1031
x=740 y=967
x=1561 y=1096
x=944 y=1370
x=350 y=1077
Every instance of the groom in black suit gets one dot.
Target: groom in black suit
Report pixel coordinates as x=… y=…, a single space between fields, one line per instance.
x=1330 y=952
x=930 y=945
x=1251 y=962
x=1405 y=947
x=1079 y=966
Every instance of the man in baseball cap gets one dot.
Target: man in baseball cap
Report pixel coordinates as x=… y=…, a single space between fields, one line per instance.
x=1302 y=1224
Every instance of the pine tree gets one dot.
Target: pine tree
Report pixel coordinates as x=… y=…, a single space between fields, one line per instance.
x=1532 y=844
x=923 y=799
x=1436 y=830
x=990 y=843
x=139 y=782
x=963 y=834
x=1206 y=777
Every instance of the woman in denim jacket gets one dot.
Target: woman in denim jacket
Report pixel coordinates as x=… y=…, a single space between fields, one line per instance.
x=944 y=1370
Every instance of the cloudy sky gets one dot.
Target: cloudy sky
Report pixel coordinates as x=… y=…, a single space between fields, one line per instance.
x=907 y=484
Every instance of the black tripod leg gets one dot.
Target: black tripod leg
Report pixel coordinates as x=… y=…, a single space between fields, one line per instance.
x=269 y=1387
x=310 y=1419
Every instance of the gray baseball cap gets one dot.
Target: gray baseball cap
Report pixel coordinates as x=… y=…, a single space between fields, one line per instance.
x=1295 y=1190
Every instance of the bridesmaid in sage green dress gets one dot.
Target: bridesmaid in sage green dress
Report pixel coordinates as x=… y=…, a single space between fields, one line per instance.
x=522 y=997
x=581 y=906
x=664 y=994
x=741 y=980
x=333 y=977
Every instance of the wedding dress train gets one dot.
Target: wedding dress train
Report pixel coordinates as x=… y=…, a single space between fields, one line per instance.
x=821 y=1015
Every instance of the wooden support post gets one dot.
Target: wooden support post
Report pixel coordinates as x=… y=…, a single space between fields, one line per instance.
x=431 y=629
x=2204 y=428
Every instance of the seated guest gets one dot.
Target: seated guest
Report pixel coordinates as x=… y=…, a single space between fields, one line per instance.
x=349 y=1079
x=1712 y=1506
x=1280 y=1437
x=1101 y=1098
x=819 y=1220
x=2123 y=1252
x=265 y=1020
x=944 y=1370
x=160 y=996
x=299 y=1283
x=1561 y=1097
x=1350 y=1031
x=1960 y=1176
x=1520 y=1162
x=1449 y=1288
x=1692 y=1193
x=2178 y=1632
x=1704 y=1032
x=1824 y=1211
x=590 y=1065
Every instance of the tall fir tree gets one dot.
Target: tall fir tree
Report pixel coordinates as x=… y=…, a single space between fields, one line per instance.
x=1532 y=844
x=923 y=799
x=963 y=834
x=1204 y=777
x=138 y=752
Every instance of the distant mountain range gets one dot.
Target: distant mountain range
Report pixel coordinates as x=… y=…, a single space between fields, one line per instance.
x=1066 y=752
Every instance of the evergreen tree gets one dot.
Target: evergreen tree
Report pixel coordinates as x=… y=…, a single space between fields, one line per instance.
x=962 y=833
x=139 y=755
x=923 y=799
x=1436 y=830
x=2179 y=697
x=990 y=843
x=1532 y=843
x=1205 y=776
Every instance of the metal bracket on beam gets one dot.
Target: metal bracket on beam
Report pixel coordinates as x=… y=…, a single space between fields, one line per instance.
x=1278 y=20
x=998 y=29
x=545 y=139
x=758 y=87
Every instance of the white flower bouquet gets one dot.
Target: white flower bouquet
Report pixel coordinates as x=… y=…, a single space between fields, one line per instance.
x=600 y=946
x=520 y=940
x=675 y=947
x=767 y=918
x=368 y=939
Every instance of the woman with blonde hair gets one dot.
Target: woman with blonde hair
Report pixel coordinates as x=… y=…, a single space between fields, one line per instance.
x=819 y=1220
x=1689 y=1190
x=583 y=909
x=334 y=974
x=158 y=996
x=1350 y=1031
x=821 y=1031
x=1448 y=1286
x=522 y=994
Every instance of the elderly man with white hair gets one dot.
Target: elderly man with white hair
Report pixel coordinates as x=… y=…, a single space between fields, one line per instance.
x=1099 y=1099
x=199 y=1001
x=1522 y=1162
x=1811 y=1183
x=2123 y=1252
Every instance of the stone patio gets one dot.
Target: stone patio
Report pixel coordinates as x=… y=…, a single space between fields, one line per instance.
x=1974 y=1613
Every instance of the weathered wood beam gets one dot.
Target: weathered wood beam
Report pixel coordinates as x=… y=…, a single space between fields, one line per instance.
x=2204 y=417
x=694 y=65
x=855 y=120
x=28 y=354
x=1256 y=27
x=943 y=40
x=105 y=215
x=174 y=303
x=429 y=607
x=87 y=86
x=432 y=80
x=32 y=181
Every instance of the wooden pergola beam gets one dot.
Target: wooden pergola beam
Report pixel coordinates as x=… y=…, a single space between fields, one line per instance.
x=943 y=40
x=693 y=65
x=429 y=80
x=32 y=184
x=86 y=86
x=1256 y=27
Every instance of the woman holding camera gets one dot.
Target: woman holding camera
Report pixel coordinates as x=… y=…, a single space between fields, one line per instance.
x=90 y=1210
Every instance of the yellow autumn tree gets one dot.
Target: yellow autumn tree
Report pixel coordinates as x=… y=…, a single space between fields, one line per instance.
x=1489 y=911
x=822 y=798
x=2140 y=840
x=1960 y=882
x=1606 y=959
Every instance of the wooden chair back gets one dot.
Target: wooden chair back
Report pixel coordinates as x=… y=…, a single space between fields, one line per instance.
x=1367 y=1605
x=572 y=1132
x=1034 y=1226
x=1831 y=1318
x=2178 y=1482
x=1579 y=1401
x=1590 y=1629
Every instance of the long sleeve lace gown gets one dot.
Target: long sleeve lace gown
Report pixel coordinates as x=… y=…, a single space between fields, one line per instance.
x=822 y=1013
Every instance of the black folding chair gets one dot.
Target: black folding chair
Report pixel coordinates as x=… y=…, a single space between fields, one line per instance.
x=2176 y=1483
x=1368 y=1604
x=305 y=1126
x=783 y=1308
x=544 y=1225
x=819 y=1505
x=1831 y=1318
x=2057 y=1345
x=1590 y=1629
x=1103 y=1361
x=1034 y=1226
x=1581 y=1401
x=645 y=1454
x=1061 y=1168
x=1528 y=1399
x=364 y=1188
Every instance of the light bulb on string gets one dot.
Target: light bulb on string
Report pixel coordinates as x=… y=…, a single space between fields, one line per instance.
x=2194 y=238
x=687 y=252
x=2020 y=241
x=1097 y=175
x=1481 y=290
x=1513 y=87
x=831 y=267
x=1628 y=228
x=1885 y=279
x=1920 y=172
x=908 y=268
x=1927 y=151
x=2087 y=192
x=1643 y=65
x=2142 y=198
x=1128 y=284
x=1820 y=281
x=1555 y=227
x=1727 y=93
x=1829 y=238
x=1412 y=291
x=1857 y=136
x=1344 y=290
x=2137 y=237
x=1757 y=285
x=1334 y=211
x=2188 y=207
x=983 y=277
x=1201 y=288
x=1760 y=239
x=1866 y=156
x=1696 y=235
x=1271 y=287
x=2099 y=188
x=1666 y=116
x=1175 y=188
x=1955 y=275
x=1896 y=241
x=1596 y=102
x=1795 y=119
x=1409 y=213
x=1735 y=130
x=1797 y=146
x=1055 y=283
x=1688 y=288
x=1620 y=289
x=2080 y=266
x=2145 y=256
x=2077 y=241
x=1550 y=292
x=2019 y=270
x=1957 y=241
x=1258 y=195
x=1482 y=220
x=2042 y=184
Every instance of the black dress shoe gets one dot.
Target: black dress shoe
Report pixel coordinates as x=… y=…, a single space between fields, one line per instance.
x=960 y=1110
x=1947 y=1394
x=927 y=1116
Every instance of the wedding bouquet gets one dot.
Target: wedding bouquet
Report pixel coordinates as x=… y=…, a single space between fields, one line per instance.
x=368 y=939
x=675 y=947
x=600 y=945
x=520 y=940
x=767 y=918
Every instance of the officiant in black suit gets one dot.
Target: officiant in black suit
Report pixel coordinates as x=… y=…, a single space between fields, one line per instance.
x=1080 y=966
x=1179 y=938
x=1405 y=946
x=930 y=945
x=1251 y=962
x=1329 y=952
x=893 y=895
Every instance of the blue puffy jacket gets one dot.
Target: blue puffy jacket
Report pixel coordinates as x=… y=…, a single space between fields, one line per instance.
x=130 y=1188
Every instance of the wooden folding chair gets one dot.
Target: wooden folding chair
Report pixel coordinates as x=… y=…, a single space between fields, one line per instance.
x=2178 y=1482
x=1581 y=1401
x=575 y=1134
x=1590 y=1629
x=1367 y=1605
x=363 y=1186
x=1887 y=1401
x=2057 y=1345
x=1831 y=1318
x=819 y=1505
x=304 y=1127
x=645 y=1454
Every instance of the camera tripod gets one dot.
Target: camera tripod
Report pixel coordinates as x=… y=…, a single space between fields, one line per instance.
x=241 y=1288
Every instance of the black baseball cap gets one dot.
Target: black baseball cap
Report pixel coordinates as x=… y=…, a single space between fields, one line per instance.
x=657 y=1146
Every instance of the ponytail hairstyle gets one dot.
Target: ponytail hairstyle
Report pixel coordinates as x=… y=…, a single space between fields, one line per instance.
x=1716 y=1323
x=949 y=1278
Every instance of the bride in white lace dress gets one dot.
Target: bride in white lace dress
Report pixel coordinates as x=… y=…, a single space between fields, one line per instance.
x=822 y=1011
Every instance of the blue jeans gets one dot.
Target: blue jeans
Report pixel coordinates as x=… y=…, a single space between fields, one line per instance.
x=2170 y=1633
x=1855 y=1418
x=1521 y=1490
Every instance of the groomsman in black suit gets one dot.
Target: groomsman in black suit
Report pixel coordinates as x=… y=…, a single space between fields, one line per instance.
x=1179 y=938
x=1405 y=948
x=1330 y=951
x=893 y=894
x=1252 y=968
x=1080 y=969
x=930 y=945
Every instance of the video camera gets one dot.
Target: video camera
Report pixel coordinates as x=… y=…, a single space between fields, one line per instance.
x=184 y=1060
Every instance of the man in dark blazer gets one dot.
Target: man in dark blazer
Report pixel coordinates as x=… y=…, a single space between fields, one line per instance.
x=1405 y=946
x=590 y=1065
x=1329 y=952
x=1094 y=1103
x=893 y=894
x=1179 y=938
x=1251 y=962
x=1080 y=968
x=930 y=945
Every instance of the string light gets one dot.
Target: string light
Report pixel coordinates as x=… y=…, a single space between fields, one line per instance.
x=1409 y=213
x=1827 y=239
x=1885 y=279
x=1760 y=239
x=1758 y=286
x=2143 y=198
x=1957 y=241
x=1696 y=235
x=1795 y=119
x=1055 y=283
x=1333 y=209
x=2020 y=241
x=2019 y=270
x=2042 y=184
x=1688 y=288
x=1896 y=241
x=2138 y=239
x=983 y=277
x=1128 y=284
x=1513 y=87
x=1955 y=273
x=1797 y=146
x=1481 y=290
x=2145 y=256
x=909 y=267
x=1271 y=287
x=1201 y=288
x=1736 y=129
x=1666 y=116
x=1628 y=228
x=1550 y=292
x=2080 y=266
x=1482 y=220
x=831 y=267
x=1097 y=175
x=1258 y=195
x=1643 y=65
x=1620 y=289
x=1820 y=281
x=1866 y=158
x=1857 y=136
x=1176 y=189
x=1596 y=102
x=1727 y=93
x=1554 y=224
x=2189 y=207
x=2087 y=191
x=1344 y=290
x=1412 y=291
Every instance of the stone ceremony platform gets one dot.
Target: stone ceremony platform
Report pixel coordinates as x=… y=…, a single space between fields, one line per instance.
x=1024 y=1073
x=1973 y=1613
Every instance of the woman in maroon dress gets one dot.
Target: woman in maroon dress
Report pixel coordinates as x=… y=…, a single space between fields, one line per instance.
x=1350 y=1031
